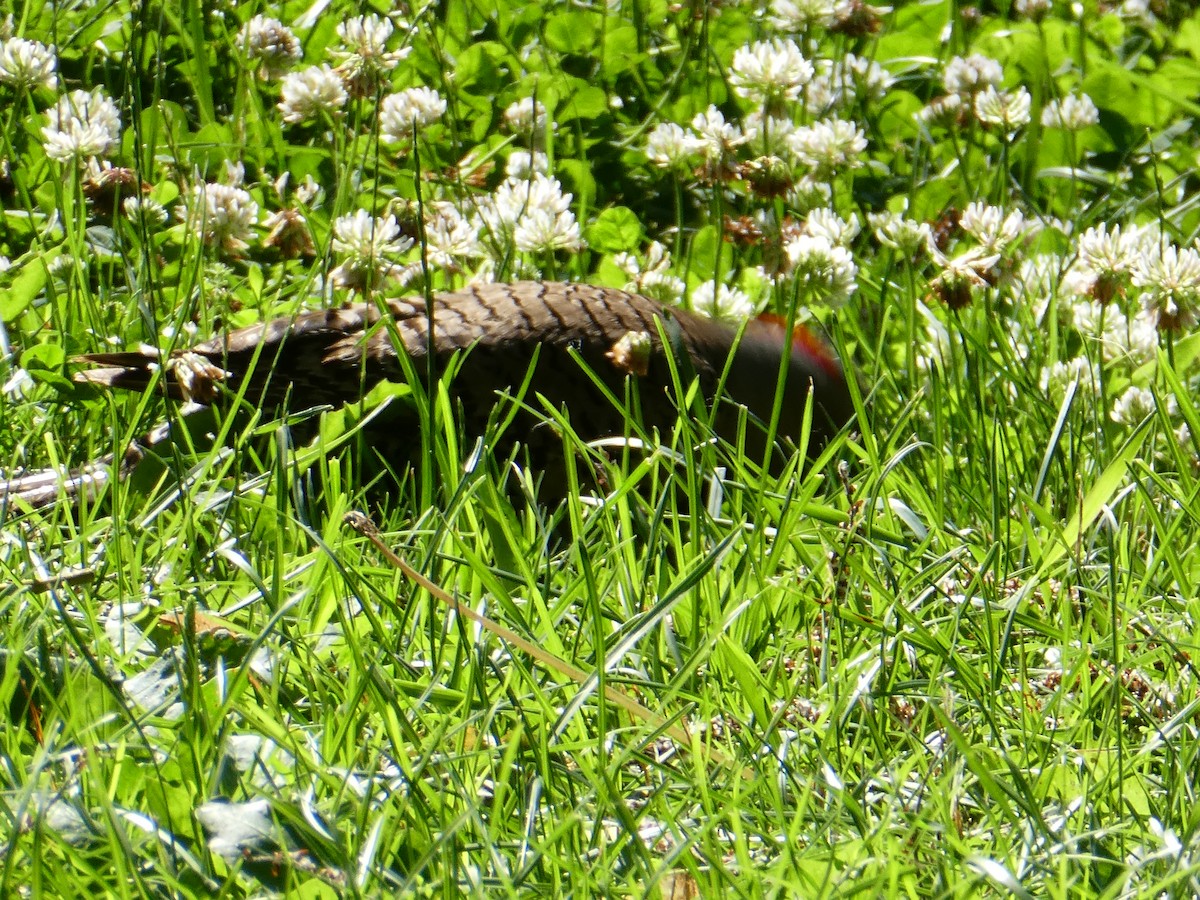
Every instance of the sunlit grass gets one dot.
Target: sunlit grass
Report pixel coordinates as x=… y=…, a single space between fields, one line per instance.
x=951 y=654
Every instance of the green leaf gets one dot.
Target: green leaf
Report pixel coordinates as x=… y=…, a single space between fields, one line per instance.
x=608 y=274
x=1153 y=101
x=615 y=230
x=1020 y=49
x=43 y=356
x=211 y=146
x=476 y=70
x=163 y=124
x=1187 y=38
x=577 y=177
x=1098 y=496
x=709 y=255
x=746 y=673
x=586 y=101
x=915 y=31
x=29 y=282
x=621 y=52
x=576 y=33
x=44 y=363
x=897 y=117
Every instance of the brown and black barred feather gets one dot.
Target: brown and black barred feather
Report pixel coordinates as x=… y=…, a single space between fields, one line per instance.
x=333 y=357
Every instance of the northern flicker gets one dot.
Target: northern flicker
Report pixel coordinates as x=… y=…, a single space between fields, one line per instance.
x=509 y=333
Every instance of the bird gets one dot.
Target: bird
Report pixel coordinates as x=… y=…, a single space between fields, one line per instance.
x=575 y=347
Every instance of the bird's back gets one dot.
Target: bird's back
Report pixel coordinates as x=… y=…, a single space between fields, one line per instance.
x=562 y=340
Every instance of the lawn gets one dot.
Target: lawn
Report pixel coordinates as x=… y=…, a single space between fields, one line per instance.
x=949 y=654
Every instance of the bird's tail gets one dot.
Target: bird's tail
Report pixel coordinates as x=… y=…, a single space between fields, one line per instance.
x=37 y=490
x=186 y=376
x=132 y=371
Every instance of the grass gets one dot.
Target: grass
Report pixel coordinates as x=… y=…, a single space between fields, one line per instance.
x=951 y=656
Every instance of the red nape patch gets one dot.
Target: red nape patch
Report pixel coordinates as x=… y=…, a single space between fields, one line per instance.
x=806 y=342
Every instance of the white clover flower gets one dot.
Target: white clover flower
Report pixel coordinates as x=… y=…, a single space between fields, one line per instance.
x=522 y=164
x=1103 y=261
x=1057 y=377
x=1109 y=252
x=1032 y=9
x=668 y=145
x=841 y=83
x=721 y=302
x=63 y=265
x=1133 y=340
x=768 y=134
x=1183 y=437
x=627 y=263
x=400 y=115
x=222 y=216
x=450 y=237
x=991 y=226
x=718 y=138
x=961 y=275
x=1138 y=11
x=366 y=36
x=822 y=96
x=513 y=198
x=658 y=258
x=829 y=225
x=271 y=44
x=809 y=193
x=535 y=213
x=770 y=72
x=1170 y=281
x=544 y=231
x=1074 y=112
x=661 y=286
x=366 y=61
x=288 y=234
x=935 y=352
x=82 y=125
x=527 y=118
x=651 y=277
x=826 y=270
x=911 y=238
x=872 y=80
x=829 y=145
x=309 y=192
x=971 y=74
x=524 y=116
x=1038 y=278
x=142 y=209
x=797 y=16
x=945 y=111
x=546 y=223
x=368 y=245
x=1008 y=110
x=1133 y=406
x=1090 y=319
x=311 y=94
x=27 y=65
